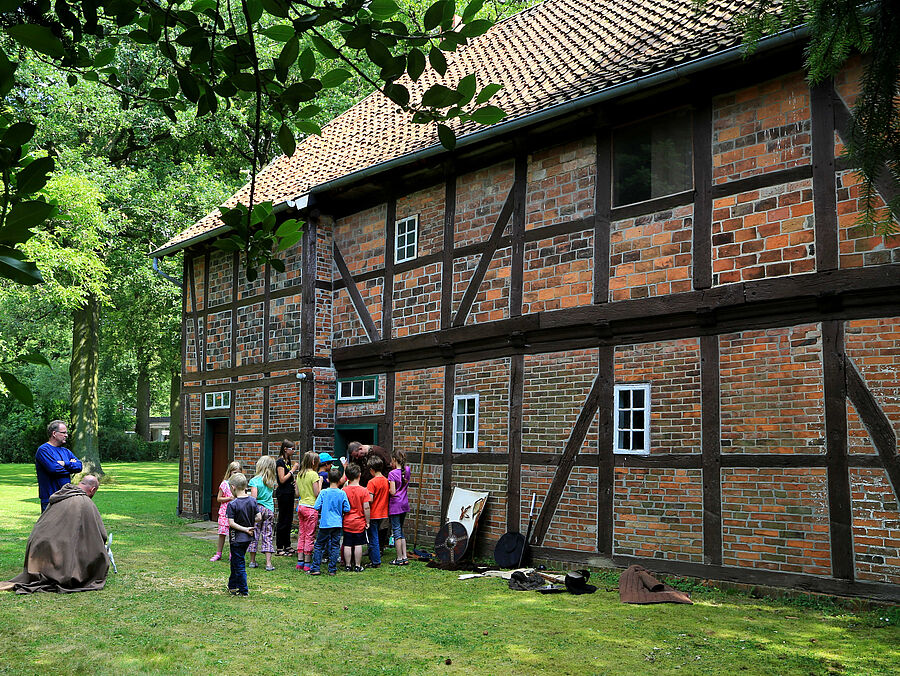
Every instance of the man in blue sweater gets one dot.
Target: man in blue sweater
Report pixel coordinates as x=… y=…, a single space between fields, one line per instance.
x=54 y=463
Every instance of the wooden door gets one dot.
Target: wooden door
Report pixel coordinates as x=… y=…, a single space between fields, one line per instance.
x=218 y=431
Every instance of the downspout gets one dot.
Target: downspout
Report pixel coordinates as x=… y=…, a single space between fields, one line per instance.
x=163 y=274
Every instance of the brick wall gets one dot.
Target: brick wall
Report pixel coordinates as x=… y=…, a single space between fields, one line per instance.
x=673 y=370
x=761 y=128
x=561 y=182
x=429 y=519
x=218 y=340
x=284 y=327
x=764 y=233
x=860 y=246
x=293 y=269
x=479 y=198
x=772 y=398
x=555 y=389
x=873 y=347
x=492 y=300
x=324 y=407
x=360 y=237
x=428 y=205
x=876 y=526
x=417 y=301
x=651 y=255
x=574 y=524
x=190 y=347
x=284 y=408
x=418 y=407
x=249 y=340
x=347 y=328
x=221 y=283
x=247 y=453
x=776 y=519
x=658 y=513
x=246 y=288
x=490 y=380
x=558 y=272
x=248 y=406
x=199 y=303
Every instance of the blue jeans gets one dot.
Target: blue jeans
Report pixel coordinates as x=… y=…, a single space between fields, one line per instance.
x=397 y=526
x=330 y=539
x=238 y=578
x=374 y=548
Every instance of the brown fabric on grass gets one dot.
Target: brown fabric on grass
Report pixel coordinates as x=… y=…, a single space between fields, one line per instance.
x=66 y=551
x=637 y=585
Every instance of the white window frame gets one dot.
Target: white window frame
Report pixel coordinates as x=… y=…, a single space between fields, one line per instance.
x=410 y=236
x=631 y=387
x=363 y=397
x=217 y=400
x=457 y=419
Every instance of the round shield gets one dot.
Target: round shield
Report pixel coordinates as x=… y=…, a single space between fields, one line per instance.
x=451 y=542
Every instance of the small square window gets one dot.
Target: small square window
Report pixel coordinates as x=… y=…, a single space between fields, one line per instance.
x=358 y=389
x=216 y=400
x=652 y=158
x=465 y=423
x=632 y=419
x=406 y=239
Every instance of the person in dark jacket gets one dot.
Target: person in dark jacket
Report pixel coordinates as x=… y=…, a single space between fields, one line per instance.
x=54 y=463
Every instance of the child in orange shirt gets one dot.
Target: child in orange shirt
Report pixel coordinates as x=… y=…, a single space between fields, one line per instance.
x=380 y=492
x=356 y=521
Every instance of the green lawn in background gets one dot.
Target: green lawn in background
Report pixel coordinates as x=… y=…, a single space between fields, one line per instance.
x=167 y=611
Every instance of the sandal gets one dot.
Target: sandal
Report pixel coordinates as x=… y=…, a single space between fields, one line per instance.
x=216 y=556
x=397 y=562
x=270 y=567
x=253 y=564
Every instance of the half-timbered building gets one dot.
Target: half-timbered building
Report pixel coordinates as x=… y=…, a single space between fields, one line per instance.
x=643 y=297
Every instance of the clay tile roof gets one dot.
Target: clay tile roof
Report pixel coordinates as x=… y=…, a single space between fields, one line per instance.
x=556 y=51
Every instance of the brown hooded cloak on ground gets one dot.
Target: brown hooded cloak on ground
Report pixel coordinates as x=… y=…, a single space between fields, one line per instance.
x=66 y=551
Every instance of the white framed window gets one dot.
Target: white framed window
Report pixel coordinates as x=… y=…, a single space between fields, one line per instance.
x=632 y=419
x=465 y=423
x=358 y=389
x=406 y=239
x=218 y=400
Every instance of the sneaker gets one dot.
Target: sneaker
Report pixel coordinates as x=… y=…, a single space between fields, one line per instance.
x=234 y=592
x=246 y=593
x=216 y=556
x=300 y=566
x=348 y=569
x=358 y=569
x=270 y=567
x=316 y=572
x=253 y=564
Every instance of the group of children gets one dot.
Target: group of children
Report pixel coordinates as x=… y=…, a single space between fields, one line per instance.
x=331 y=499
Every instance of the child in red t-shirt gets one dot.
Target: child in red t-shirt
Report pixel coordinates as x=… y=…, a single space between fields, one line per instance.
x=380 y=491
x=356 y=521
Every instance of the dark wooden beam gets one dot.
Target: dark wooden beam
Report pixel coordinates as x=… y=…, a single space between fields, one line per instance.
x=881 y=432
x=514 y=465
x=361 y=310
x=235 y=266
x=710 y=440
x=824 y=194
x=785 y=301
x=602 y=214
x=447 y=438
x=702 y=221
x=387 y=286
x=447 y=251
x=258 y=369
x=389 y=400
x=606 y=460
x=308 y=275
x=759 y=181
x=839 y=507
x=267 y=309
x=567 y=460
x=653 y=206
x=203 y=346
x=478 y=276
x=517 y=237
x=265 y=417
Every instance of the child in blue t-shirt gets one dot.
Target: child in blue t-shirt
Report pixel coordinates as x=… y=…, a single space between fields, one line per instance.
x=331 y=504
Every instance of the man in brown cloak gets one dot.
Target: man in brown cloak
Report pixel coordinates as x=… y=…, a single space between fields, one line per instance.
x=66 y=551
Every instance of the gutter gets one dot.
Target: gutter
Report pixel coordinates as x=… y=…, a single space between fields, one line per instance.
x=163 y=274
x=780 y=39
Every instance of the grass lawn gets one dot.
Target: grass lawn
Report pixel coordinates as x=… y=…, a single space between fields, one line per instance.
x=167 y=611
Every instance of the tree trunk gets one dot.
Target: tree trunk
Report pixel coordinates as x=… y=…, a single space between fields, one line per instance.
x=142 y=415
x=175 y=416
x=83 y=378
